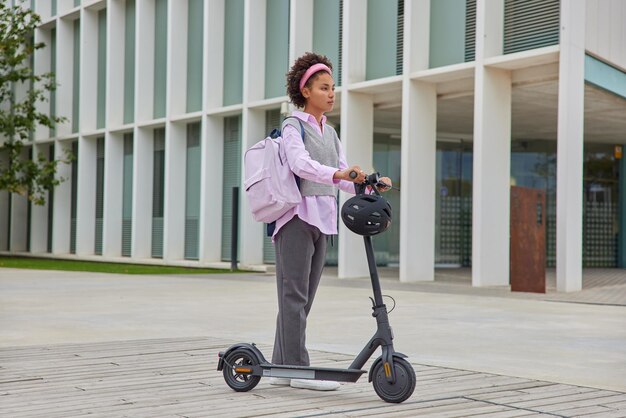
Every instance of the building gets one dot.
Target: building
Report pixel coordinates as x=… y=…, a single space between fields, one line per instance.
x=455 y=100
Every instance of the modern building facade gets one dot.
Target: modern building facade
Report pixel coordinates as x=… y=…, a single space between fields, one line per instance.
x=455 y=100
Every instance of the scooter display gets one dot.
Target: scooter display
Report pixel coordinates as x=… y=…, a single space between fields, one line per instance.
x=392 y=376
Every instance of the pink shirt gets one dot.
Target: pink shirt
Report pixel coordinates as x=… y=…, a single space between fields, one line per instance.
x=319 y=211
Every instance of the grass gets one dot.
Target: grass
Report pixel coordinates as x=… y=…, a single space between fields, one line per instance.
x=98 y=267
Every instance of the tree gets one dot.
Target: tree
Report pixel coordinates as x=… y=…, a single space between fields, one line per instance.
x=19 y=116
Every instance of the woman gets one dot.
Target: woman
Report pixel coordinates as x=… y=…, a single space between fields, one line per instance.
x=300 y=235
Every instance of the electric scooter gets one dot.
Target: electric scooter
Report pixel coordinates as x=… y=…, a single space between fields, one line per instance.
x=392 y=376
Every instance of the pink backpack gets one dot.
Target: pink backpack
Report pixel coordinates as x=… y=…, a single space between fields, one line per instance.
x=270 y=185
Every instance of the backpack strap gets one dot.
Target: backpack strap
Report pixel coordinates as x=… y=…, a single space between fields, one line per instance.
x=275 y=134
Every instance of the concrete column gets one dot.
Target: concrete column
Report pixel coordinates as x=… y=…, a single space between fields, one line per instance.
x=64 y=75
x=357 y=138
x=354 y=41
x=4 y=220
x=492 y=152
x=212 y=170
x=89 y=70
x=251 y=231
x=491 y=186
x=175 y=181
x=213 y=82
x=253 y=122
x=254 y=52
x=41 y=66
x=62 y=201
x=86 y=196
x=39 y=213
x=113 y=194
x=570 y=138
x=417 y=204
x=115 y=65
x=177 y=33
x=143 y=165
x=144 y=61
x=300 y=28
x=416 y=36
x=19 y=219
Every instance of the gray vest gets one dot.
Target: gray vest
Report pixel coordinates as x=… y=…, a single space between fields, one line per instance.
x=323 y=149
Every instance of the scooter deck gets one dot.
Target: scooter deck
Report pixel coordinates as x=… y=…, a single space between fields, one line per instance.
x=313 y=373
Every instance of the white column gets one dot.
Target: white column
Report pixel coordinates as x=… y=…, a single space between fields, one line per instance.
x=212 y=177
x=4 y=212
x=42 y=65
x=570 y=139
x=64 y=5
x=143 y=164
x=88 y=70
x=213 y=81
x=115 y=64
x=113 y=194
x=354 y=41
x=86 y=196
x=61 y=215
x=254 y=52
x=177 y=35
x=419 y=148
x=39 y=213
x=300 y=28
x=64 y=75
x=251 y=231
x=357 y=137
x=253 y=122
x=19 y=218
x=4 y=220
x=144 y=61
x=492 y=152
x=491 y=183
x=175 y=182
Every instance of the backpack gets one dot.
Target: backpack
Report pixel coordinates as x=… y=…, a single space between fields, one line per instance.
x=270 y=186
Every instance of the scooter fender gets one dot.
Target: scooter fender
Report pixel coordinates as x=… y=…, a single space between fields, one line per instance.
x=378 y=360
x=252 y=347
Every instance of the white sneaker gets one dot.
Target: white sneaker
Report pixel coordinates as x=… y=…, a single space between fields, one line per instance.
x=314 y=384
x=279 y=381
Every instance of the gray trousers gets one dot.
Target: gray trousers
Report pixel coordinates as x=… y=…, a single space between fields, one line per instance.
x=300 y=257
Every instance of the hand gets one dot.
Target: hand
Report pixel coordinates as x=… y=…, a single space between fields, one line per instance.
x=387 y=185
x=359 y=175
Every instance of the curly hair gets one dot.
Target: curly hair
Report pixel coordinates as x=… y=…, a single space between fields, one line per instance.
x=296 y=72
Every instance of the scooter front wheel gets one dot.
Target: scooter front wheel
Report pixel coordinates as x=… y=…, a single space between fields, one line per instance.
x=240 y=359
x=404 y=386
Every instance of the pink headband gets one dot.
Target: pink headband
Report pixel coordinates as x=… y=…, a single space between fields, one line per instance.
x=312 y=70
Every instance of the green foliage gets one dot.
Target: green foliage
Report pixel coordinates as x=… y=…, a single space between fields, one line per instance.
x=19 y=172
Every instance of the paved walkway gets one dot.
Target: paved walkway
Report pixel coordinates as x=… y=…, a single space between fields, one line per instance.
x=177 y=378
x=476 y=332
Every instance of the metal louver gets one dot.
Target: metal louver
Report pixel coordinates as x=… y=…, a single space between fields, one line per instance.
x=127 y=196
x=400 y=38
x=157 y=193
x=470 y=30
x=339 y=59
x=99 y=194
x=530 y=24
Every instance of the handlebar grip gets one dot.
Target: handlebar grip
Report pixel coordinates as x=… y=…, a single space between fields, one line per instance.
x=353 y=174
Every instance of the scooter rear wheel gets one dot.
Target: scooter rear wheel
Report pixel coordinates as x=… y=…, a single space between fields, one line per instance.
x=404 y=386
x=240 y=382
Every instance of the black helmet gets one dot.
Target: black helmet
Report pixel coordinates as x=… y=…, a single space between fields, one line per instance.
x=366 y=214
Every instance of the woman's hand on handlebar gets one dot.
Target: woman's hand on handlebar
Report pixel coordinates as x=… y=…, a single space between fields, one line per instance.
x=384 y=184
x=353 y=174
